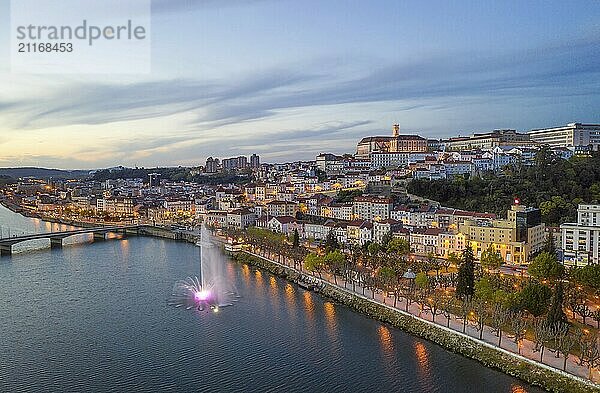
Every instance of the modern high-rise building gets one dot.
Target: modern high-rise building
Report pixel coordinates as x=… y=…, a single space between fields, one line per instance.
x=573 y=135
x=581 y=240
x=154 y=179
x=254 y=161
x=211 y=165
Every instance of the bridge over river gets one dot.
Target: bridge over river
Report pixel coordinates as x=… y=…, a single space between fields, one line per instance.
x=56 y=238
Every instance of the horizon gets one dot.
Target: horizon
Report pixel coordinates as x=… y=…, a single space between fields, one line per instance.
x=251 y=77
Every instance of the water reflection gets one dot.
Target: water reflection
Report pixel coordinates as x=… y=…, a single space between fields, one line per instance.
x=385 y=339
x=517 y=389
x=330 y=319
x=309 y=307
x=423 y=365
x=290 y=300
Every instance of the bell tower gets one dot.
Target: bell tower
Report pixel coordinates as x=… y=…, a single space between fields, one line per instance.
x=396 y=131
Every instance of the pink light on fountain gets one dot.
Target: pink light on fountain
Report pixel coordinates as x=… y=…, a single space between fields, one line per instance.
x=201 y=296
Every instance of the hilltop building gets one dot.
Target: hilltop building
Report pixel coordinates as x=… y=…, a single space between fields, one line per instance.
x=577 y=136
x=391 y=144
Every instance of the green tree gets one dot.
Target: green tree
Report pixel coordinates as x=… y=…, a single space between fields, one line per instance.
x=545 y=266
x=453 y=259
x=556 y=314
x=465 y=285
x=335 y=262
x=550 y=244
x=588 y=275
x=331 y=243
x=399 y=246
x=296 y=239
x=491 y=259
x=422 y=280
x=386 y=239
x=314 y=263
x=484 y=289
x=534 y=297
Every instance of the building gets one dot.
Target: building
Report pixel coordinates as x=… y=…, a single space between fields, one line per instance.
x=581 y=240
x=487 y=140
x=211 y=165
x=574 y=135
x=154 y=179
x=241 y=218
x=254 y=161
x=388 y=160
x=516 y=238
x=116 y=206
x=372 y=208
x=330 y=163
x=391 y=144
x=281 y=208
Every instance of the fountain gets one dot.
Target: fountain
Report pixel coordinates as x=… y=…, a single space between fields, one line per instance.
x=210 y=289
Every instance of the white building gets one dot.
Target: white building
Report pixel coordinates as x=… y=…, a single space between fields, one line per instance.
x=388 y=160
x=241 y=218
x=581 y=240
x=372 y=208
x=572 y=135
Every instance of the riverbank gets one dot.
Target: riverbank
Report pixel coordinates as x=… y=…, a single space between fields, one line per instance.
x=512 y=364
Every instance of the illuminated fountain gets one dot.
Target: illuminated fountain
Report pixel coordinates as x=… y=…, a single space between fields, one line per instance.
x=210 y=289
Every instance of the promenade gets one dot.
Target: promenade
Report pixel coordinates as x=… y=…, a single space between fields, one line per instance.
x=526 y=352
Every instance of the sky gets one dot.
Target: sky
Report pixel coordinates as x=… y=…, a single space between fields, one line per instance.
x=290 y=79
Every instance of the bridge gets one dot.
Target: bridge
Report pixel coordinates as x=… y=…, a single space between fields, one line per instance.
x=56 y=238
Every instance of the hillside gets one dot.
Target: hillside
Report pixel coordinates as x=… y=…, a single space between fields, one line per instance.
x=554 y=185
x=43 y=173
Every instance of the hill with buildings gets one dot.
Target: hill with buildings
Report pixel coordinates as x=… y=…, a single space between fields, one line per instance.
x=553 y=184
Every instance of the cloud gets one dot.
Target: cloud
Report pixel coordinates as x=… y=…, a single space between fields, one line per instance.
x=439 y=82
x=163 y=6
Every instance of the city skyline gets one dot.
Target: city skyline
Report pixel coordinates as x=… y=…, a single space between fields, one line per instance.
x=253 y=77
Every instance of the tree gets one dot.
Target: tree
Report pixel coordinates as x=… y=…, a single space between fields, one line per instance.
x=545 y=266
x=499 y=317
x=335 y=261
x=399 y=246
x=386 y=239
x=314 y=263
x=556 y=314
x=541 y=334
x=453 y=259
x=491 y=259
x=518 y=324
x=422 y=280
x=331 y=243
x=481 y=314
x=534 y=298
x=550 y=244
x=465 y=286
x=484 y=290
x=296 y=239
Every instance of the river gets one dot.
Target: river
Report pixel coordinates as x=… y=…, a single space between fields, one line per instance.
x=94 y=318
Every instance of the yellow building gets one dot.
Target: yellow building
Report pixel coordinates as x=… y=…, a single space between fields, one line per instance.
x=515 y=238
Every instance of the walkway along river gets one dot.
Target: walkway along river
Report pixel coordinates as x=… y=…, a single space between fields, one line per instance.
x=524 y=365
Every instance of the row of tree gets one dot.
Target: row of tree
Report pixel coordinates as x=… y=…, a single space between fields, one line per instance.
x=477 y=295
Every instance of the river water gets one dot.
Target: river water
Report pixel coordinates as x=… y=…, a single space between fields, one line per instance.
x=94 y=318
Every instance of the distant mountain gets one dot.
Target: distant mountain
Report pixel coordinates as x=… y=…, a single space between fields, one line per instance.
x=43 y=173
